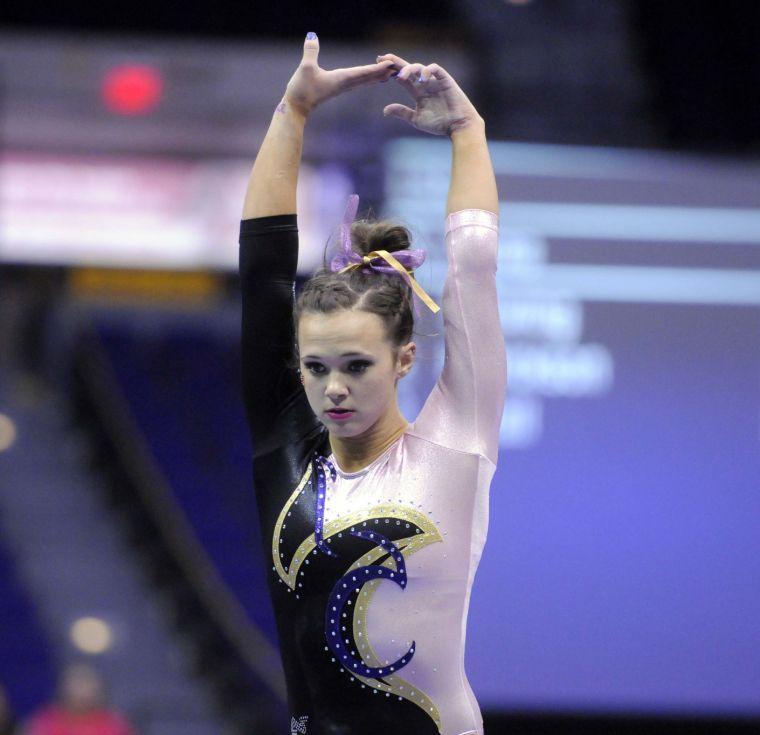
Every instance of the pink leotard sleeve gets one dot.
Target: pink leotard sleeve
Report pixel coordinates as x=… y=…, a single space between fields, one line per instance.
x=463 y=411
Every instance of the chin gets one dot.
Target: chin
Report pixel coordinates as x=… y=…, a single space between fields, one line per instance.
x=339 y=430
x=350 y=429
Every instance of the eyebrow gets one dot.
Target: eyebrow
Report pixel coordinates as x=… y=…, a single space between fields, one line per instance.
x=345 y=354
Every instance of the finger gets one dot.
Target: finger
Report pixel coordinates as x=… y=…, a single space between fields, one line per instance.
x=391 y=70
x=409 y=71
x=430 y=71
x=310 y=48
x=397 y=60
x=397 y=110
x=368 y=73
x=408 y=77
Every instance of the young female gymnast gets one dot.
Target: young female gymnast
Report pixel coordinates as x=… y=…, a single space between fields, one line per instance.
x=375 y=525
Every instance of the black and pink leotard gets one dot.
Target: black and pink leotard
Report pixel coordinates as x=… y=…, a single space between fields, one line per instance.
x=371 y=582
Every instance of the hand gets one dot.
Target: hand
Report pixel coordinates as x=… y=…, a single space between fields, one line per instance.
x=310 y=86
x=441 y=105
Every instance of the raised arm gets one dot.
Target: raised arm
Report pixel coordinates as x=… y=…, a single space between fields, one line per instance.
x=464 y=408
x=272 y=393
x=463 y=411
x=275 y=402
x=272 y=184
x=274 y=177
x=473 y=184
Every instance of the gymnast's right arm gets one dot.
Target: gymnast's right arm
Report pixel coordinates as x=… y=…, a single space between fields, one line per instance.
x=276 y=405
x=272 y=393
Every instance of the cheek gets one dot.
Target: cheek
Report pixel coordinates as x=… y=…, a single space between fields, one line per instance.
x=377 y=390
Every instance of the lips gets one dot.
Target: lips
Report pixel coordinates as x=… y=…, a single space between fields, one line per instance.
x=339 y=413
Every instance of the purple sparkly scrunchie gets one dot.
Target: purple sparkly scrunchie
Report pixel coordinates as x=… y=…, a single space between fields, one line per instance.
x=409 y=259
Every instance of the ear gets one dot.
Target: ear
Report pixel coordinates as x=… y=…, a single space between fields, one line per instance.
x=405 y=359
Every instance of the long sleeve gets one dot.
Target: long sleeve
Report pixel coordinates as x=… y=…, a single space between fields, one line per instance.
x=275 y=402
x=464 y=408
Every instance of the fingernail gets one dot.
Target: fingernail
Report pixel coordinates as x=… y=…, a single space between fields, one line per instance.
x=310 y=36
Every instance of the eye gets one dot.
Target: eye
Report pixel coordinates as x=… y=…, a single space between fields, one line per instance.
x=358 y=366
x=315 y=368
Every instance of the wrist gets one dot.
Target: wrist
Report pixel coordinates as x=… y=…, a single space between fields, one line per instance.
x=286 y=106
x=466 y=127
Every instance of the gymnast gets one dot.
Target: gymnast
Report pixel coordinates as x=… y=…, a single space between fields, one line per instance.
x=373 y=526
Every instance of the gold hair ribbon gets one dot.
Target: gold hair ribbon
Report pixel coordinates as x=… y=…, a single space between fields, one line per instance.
x=409 y=277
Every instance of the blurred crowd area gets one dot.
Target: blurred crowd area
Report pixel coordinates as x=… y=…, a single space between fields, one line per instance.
x=625 y=72
x=80 y=707
x=132 y=587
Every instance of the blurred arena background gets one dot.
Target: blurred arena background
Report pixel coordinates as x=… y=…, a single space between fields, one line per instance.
x=625 y=513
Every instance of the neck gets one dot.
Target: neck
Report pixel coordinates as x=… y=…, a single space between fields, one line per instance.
x=354 y=453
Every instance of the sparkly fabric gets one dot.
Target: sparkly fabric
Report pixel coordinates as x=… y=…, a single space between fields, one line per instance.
x=320 y=463
x=371 y=583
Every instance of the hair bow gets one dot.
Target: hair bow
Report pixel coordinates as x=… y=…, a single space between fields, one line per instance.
x=402 y=262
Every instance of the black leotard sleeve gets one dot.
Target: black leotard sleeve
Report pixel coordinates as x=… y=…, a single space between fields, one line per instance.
x=275 y=402
x=285 y=434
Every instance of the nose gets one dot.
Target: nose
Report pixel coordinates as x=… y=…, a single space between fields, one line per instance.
x=335 y=389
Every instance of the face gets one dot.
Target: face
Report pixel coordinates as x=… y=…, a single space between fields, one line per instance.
x=348 y=363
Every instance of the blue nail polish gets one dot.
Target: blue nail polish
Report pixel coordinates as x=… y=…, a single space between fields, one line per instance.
x=310 y=36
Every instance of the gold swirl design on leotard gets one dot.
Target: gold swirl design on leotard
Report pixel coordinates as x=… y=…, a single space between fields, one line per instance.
x=392 y=683
x=289 y=576
x=396 y=685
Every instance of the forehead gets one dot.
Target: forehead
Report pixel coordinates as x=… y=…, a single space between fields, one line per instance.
x=341 y=331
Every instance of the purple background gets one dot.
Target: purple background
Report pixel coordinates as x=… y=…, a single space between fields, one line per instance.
x=628 y=539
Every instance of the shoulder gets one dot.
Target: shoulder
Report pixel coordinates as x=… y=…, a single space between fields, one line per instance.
x=440 y=448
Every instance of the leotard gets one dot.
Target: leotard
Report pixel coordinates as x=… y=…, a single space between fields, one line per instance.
x=370 y=584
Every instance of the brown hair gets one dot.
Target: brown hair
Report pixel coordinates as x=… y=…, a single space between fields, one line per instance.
x=387 y=295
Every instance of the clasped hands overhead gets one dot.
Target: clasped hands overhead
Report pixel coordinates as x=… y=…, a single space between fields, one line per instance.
x=440 y=105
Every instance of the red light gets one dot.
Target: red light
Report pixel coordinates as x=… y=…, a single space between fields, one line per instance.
x=132 y=90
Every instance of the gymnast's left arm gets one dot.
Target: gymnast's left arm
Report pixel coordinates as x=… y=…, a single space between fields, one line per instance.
x=464 y=409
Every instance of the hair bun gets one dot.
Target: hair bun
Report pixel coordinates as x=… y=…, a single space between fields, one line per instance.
x=380 y=235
